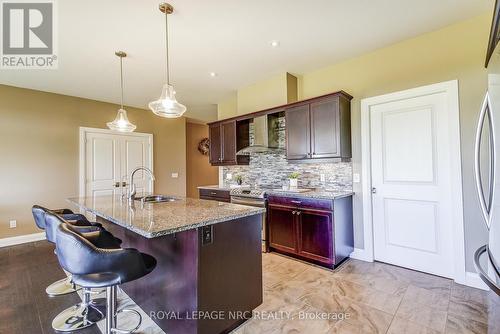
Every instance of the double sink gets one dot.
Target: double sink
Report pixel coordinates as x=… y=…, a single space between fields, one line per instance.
x=155 y=199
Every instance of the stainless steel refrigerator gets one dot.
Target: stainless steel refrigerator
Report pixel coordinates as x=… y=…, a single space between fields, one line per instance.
x=487 y=163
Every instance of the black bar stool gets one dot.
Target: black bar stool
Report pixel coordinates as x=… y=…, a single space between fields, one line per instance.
x=94 y=267
x=89 y=311
x=62 y=286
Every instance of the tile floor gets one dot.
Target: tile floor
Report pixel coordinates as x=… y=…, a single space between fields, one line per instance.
x=359 y=297
x=362 y=297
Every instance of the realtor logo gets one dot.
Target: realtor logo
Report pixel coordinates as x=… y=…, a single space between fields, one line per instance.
x=28 y=34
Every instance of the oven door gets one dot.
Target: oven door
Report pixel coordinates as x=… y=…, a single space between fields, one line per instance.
x=257 y=202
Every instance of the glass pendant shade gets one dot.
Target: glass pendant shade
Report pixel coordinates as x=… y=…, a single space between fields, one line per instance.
x=121 y=122
x=167 y=105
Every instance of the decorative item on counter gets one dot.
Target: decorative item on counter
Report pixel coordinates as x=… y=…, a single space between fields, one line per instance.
x=293 y=177
x=239 y=179
x=204 y=146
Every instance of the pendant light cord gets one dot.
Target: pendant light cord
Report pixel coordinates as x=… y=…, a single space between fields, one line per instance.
x=121 y=81
x=166 y=38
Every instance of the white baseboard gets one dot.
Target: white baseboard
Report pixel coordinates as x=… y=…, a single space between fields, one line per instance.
x=22 y=239
x=473 y=280
x=361 y=254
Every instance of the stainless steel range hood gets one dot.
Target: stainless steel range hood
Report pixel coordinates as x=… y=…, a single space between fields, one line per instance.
x=265 y=136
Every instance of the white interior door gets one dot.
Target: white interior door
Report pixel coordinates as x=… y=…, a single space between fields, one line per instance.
x=109 y=158
x=412 y=192
x=135 y=153
x=103 y=165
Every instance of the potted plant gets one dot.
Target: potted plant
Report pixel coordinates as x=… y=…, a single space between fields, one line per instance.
x=239 y=179
x=294 y=179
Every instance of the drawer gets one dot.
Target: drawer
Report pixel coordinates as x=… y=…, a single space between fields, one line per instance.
x=302 y=202
x=215 y=193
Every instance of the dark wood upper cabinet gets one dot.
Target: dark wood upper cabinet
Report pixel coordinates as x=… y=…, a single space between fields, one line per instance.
x=214 y=134
x=325 y=125
x=298 y=137
x=317 y=128
x=320 y=129
x=228 y=130
x=226 y=138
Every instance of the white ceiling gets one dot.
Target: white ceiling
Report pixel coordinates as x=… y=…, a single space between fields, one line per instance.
x=229 y=37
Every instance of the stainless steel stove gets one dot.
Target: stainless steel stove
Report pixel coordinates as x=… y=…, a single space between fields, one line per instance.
x=253 y=197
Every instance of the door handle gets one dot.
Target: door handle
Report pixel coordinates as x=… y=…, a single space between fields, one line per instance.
x=485 y=207
x=374 y=190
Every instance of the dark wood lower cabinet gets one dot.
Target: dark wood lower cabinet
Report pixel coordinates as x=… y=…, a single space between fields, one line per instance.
x=282 y=232
x=214 y=194
x=309 y=231
x=315 y=237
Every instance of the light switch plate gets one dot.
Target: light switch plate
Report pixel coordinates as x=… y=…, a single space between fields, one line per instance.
x=13 y=223
x=175 y=175
x=356 y=178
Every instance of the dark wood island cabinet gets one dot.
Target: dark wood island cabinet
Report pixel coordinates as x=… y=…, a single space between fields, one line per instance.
x=316 y=230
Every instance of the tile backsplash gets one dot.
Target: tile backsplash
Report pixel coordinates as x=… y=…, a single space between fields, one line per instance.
x=272 y=169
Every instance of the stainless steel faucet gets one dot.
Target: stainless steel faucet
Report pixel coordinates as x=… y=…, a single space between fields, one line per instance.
x=132 y=192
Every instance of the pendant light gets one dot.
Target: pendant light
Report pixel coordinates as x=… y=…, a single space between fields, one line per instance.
x=121 y=122
x=167 y=105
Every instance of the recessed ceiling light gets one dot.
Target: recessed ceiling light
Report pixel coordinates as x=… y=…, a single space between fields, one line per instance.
x=213 y=74
x=275 y=44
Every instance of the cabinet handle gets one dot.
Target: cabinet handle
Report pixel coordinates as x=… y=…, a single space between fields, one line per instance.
x=298 y=213
x=294 y=212
x=117 y=184
x=296 y=202
x=213 y=193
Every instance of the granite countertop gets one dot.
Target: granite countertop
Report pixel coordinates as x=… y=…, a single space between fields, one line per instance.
x=316 y=193
x=157 y=219
x=228 y=188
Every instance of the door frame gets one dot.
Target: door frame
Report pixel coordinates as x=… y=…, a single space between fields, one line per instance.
x=82 y=161
x=450 y=88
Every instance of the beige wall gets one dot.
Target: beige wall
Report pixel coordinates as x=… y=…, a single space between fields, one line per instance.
x=39 y=134
x=455 y=52
x=198 y=170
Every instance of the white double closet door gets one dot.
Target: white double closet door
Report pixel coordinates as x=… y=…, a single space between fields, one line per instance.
x=109 y=158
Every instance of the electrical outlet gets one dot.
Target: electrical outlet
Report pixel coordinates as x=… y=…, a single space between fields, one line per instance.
x=13 y=223
x=322 y=177
x=175 y=175
x=356 y=178
x=229 y=176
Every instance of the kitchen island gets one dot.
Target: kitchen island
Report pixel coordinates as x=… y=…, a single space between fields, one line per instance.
x=209 y=273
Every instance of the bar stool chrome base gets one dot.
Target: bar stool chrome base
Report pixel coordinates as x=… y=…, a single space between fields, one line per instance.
x=61 y=287
x=111 y=313
x=81 y=315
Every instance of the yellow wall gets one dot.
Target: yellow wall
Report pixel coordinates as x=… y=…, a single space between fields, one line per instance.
x=266 y=94
x=455 y=52
x=39 y=134
x=228 y=107
x=198 y=170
